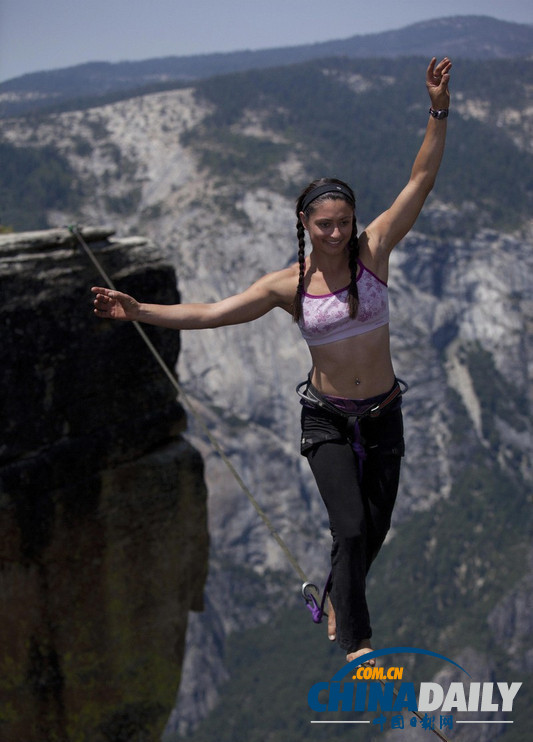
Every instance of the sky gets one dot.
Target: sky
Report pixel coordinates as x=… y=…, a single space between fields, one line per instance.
x=37 y=35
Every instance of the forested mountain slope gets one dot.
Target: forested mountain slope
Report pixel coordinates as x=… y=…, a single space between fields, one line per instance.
x=466 y=37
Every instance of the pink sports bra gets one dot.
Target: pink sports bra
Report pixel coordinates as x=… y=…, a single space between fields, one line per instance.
x=326 y=319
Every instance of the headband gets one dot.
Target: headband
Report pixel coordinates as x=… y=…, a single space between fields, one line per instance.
x=326 y=188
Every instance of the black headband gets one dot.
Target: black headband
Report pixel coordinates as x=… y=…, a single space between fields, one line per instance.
x=326 y=188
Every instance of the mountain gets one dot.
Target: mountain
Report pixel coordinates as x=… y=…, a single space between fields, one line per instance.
x=210 y=172
x=466 y=37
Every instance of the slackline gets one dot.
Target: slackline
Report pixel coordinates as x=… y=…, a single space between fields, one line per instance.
x=74 y=230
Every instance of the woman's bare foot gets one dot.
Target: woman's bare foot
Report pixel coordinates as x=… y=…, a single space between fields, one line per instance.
x=364 y=648
x=332 y=626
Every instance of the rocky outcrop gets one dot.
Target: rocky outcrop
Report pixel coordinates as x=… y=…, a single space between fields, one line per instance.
x=102 y=500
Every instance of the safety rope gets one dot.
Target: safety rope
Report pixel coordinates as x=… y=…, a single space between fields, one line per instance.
x=74 y=230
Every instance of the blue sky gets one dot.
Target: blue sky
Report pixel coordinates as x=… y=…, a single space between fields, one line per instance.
x=40 y=35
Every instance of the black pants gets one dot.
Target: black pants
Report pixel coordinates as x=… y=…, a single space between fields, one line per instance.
x=359 y=504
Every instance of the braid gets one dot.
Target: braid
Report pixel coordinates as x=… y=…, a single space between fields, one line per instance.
x=297 y=304
x=353 y=255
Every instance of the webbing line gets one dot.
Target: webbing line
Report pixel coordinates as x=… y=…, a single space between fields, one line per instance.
x=183 y=396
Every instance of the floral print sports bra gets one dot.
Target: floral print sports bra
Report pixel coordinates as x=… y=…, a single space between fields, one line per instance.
x=326 y=319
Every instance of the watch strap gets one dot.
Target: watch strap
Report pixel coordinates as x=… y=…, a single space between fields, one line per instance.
x=440 y=113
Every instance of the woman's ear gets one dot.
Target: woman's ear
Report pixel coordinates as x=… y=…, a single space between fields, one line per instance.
x=303 y=219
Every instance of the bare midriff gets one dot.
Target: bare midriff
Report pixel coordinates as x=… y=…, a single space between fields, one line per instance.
x=355 y=368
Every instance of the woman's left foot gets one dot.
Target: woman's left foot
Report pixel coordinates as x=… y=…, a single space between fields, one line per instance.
x=332 y=627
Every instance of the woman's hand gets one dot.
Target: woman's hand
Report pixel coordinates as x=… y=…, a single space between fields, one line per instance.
x=114 y=304
x=437 y=79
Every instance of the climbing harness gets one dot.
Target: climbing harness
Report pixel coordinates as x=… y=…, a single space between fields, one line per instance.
x=314 y=398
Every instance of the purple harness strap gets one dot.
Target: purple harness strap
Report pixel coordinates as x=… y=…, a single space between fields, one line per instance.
x=353 y=410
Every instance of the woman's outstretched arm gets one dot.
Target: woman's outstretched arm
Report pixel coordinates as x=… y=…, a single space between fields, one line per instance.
x=270 y=291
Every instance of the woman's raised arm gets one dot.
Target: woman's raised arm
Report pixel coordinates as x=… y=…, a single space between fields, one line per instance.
x=390 y=227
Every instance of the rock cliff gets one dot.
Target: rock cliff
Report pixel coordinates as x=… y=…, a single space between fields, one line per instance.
x=102 y=501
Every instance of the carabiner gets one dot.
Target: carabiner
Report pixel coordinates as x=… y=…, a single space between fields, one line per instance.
x=317 y=611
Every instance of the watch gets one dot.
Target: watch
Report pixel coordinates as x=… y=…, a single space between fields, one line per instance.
x=439 y=114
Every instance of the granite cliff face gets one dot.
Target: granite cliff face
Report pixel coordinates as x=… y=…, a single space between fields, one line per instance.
x=102 y=499
x=461 y=324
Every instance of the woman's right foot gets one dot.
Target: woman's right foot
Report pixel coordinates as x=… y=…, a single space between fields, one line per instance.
x=364 y=648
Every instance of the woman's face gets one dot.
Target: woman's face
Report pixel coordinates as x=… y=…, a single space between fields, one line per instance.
x=329 y=225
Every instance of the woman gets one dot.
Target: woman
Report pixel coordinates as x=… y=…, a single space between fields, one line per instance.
x=351 y=416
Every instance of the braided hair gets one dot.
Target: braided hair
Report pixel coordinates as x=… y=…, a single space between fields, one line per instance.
x=325 y=188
